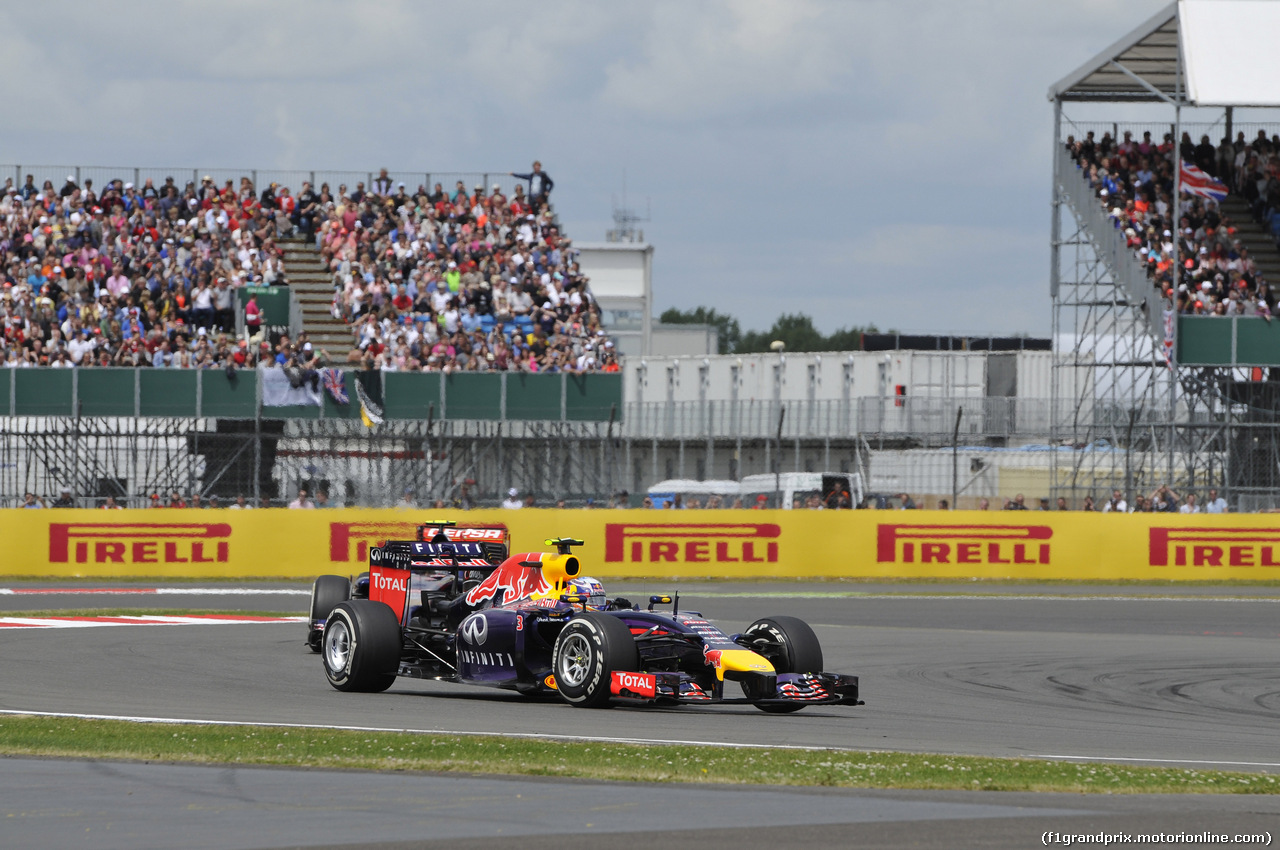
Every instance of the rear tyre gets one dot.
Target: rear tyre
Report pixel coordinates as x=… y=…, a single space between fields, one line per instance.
x=326 y=593
x=588 y=650
x=361 y=646
x=790 y=646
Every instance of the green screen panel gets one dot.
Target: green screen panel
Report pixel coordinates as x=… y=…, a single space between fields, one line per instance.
x=1204 y=341
x=167 y=392
x=273 y=301
x=1258 y=342
x=532 y=396
x=291 y=411
x=43 y=392
x=474 y=396
x=229 y=398
x=106 y=392
x=590 y=398
x=409 y=395
x=6 y=381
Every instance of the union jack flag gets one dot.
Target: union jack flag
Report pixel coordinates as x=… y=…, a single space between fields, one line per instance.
x=1196 y=182
x=335 y=384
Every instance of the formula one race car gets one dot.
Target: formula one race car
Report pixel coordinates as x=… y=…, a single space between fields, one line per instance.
x=455 y=606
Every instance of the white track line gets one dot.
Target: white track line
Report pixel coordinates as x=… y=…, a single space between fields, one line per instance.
x=159 y=591
x=7 y=623
x=1157 y=761
x=182 y=721
x=944 y=597
x=599 y=739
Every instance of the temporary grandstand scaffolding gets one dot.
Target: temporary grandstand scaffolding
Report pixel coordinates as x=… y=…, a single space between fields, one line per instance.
x=1168 y=403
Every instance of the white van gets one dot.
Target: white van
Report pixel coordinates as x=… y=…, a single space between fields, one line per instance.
x=833 y=489
x=682 y=489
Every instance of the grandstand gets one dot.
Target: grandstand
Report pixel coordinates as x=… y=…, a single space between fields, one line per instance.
x=156 y=271
x=1171 y=314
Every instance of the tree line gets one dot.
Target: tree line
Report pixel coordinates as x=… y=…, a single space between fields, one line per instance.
x=796 y=330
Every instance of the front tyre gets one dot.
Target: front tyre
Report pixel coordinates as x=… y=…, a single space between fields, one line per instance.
x=790 y=646
x=326 y=593
x=588 y=650
x=361 y=646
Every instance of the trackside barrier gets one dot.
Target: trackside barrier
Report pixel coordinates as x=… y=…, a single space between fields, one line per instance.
x=659 y=544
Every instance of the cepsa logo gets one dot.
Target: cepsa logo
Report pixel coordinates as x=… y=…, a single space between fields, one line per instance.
x=963 y=544
x=691 y=543
x=351 y=541
x=141 y=543
x=1219 y=547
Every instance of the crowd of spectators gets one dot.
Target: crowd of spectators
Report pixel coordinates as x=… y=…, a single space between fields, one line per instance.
x=1194 y=258
x=126 y=275
x=460 y=279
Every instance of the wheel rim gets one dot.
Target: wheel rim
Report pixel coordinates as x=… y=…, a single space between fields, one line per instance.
x=337 y=645
x=575 y=659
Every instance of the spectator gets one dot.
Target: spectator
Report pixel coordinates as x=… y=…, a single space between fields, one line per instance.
x=512 y=502
x=302 y=502
x=29 y=500
x=64 y=499
x=241 y=504
x=1062 y=504
x=1116 y=504
x=1190 y=506
x=984 y=505
x=1019 y=503
x=110 y=504
x=1087 y=504
x=1215 y=504
x=540 y=185
x=322 y=499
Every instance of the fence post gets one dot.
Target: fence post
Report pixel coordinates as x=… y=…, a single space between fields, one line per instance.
x=137 y=177
x=254 y=174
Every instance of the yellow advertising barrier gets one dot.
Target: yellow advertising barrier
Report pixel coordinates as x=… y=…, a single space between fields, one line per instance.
x=732 y=544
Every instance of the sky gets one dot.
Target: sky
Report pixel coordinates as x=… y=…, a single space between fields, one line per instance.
x=859 y=162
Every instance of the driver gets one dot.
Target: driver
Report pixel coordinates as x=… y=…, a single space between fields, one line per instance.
x=593 y=589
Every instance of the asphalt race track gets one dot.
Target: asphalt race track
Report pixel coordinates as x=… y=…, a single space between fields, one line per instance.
x=1099 y=674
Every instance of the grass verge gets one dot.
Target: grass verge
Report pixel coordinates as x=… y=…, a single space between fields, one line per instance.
x=308 y=747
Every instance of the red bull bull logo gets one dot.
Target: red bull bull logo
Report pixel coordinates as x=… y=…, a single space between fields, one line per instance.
x=510 y=582
x=1219 y=547
x=963 y=544
x=139 y=543
x=692 y=543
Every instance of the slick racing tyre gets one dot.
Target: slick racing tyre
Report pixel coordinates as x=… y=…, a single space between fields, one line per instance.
x=361 y=646
x=589 y=648
x=790 y=646
x=326 y=592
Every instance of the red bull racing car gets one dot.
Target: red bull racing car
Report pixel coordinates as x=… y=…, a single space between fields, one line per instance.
x=455 y=605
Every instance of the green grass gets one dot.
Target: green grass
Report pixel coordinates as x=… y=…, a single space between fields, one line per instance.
x=146 y=612
x=27 y=735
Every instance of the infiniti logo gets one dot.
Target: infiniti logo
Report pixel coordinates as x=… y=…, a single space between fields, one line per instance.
x=475 y=630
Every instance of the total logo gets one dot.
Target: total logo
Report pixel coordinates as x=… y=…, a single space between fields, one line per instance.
x=633 y=685
x=385 y=582
x=720 y=543
x=475 y=629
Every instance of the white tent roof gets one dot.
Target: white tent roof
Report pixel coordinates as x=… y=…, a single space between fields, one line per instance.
x=1229 y=58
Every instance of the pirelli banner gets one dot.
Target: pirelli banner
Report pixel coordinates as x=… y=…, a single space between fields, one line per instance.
x=677 y=544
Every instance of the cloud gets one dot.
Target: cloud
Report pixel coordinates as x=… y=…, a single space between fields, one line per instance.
x=699 y=58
